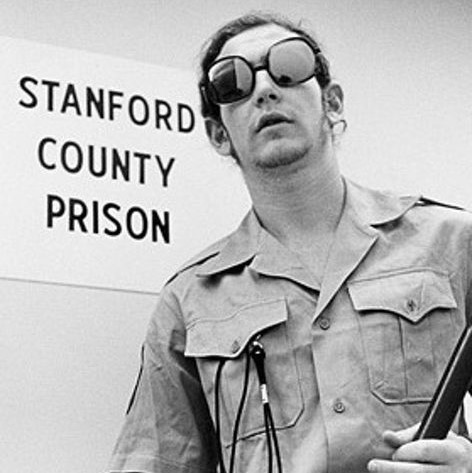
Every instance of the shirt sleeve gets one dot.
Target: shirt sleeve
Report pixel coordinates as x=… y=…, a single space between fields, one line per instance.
x=168 y=426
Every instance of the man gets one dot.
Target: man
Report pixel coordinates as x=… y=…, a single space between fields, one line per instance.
x=312 y=338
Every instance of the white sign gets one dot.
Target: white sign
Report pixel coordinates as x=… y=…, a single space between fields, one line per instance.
x=106 y=176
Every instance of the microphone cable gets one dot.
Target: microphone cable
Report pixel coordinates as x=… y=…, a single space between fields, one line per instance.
x=255 y=351
x=219 y=369
x=242 y=402
x=239 y=413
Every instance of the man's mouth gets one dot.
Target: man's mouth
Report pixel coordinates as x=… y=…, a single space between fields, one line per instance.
x=271 y=119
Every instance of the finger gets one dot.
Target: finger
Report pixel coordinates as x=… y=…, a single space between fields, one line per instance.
x=430 y=451
x=387 y=466
x=452 y=435
x=400 y=437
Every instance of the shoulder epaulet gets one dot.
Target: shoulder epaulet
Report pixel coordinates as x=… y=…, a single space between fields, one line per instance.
x=201 y=257
x=427 y=201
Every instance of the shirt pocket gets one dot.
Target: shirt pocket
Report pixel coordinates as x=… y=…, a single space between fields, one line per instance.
x=211 y=340
x=408 y=332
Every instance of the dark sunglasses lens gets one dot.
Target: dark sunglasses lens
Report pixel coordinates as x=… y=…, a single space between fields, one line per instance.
x=230 y=80
x=291 y=62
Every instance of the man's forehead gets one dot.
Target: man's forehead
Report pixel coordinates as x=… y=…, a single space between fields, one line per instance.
x=252 y=44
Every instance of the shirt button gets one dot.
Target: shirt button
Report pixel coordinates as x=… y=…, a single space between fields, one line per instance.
x=235 y=346
x=339 y=407
x=324 y=323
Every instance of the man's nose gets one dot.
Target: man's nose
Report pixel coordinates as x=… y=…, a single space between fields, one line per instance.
x=265 y=89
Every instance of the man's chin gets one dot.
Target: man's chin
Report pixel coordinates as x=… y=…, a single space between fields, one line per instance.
x=279 y=156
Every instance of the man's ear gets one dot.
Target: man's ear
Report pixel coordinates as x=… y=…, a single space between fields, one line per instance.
x=218 y=136
x=333 y=102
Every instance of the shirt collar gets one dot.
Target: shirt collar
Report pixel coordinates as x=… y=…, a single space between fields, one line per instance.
x=240 y=247
x=374 y=207
x=366 y=207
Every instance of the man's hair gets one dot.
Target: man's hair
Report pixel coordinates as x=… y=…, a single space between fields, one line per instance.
x=215 y=44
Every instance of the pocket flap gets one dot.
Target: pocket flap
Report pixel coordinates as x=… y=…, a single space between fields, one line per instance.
x=409 y=294
x=227 y=336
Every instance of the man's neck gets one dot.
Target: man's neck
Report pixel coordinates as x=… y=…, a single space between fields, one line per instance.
x=299 y=203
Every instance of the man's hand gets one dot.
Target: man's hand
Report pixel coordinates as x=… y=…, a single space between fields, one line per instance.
x=451 y=455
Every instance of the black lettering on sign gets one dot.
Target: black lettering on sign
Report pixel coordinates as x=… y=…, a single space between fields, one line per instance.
x=186 y=118
x=49 y=89
x=138 y=110
x=48 y=165
x=55 y=209
x=71 y=100
x=72 y=158
x=109 y=219
x=163 y=112
x=100 y=161
x=113 y=103
x=24 y=83
x=93 y=102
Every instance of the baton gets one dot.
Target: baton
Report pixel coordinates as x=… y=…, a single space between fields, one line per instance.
x=450 y=392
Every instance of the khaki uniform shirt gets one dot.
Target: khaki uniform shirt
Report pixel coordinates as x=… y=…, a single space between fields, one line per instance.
x=346 y=358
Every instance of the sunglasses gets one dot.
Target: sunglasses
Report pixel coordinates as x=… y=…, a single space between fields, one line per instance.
x=288 y=62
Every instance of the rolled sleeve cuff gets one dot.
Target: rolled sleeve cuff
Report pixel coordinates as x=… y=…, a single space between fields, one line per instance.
x=149 y=464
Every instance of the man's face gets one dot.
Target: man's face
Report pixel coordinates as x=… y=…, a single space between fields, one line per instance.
x=298 y=136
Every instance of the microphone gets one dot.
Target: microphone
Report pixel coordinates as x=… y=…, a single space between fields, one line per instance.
x=449 y=395
x=258 y=355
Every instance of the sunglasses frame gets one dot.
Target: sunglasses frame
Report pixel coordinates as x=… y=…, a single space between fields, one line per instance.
x=211 y=94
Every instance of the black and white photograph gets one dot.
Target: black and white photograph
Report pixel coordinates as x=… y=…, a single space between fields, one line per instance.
x=236 y=236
